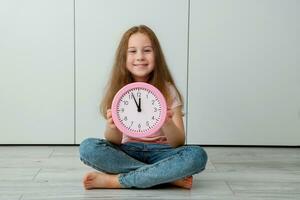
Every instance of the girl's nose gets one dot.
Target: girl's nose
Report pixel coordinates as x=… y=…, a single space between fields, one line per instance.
x=140 y=56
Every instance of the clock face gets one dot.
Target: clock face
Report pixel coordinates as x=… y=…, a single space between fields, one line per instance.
x=139 y=109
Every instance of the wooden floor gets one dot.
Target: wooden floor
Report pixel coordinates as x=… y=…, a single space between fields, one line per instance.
x=239 y=173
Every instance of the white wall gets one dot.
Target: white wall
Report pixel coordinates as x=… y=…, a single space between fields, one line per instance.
x=36 y=72
x=235 y=61
x=244 y=72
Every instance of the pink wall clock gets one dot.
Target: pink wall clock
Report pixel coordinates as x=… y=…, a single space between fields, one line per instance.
x=139 y=109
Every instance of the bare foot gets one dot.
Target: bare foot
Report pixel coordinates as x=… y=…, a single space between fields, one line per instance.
x=186 y=182
x=100 y=180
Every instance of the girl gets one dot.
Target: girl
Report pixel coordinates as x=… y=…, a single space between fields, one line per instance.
x=126 y=162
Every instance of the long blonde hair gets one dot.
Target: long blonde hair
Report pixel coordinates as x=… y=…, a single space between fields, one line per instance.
x=120 y=76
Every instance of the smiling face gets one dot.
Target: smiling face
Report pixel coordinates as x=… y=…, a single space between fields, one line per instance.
x=140 y=57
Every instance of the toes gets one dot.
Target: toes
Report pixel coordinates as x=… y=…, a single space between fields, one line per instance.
x=88 y=186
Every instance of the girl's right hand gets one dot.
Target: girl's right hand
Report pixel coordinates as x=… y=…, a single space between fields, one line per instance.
x=110 y=122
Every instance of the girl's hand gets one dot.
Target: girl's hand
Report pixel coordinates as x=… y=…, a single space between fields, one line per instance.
x=110 y=123
x=112 y=133
x=169 y=116
x=173 y=127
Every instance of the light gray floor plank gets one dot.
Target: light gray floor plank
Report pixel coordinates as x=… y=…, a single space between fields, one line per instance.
x=25 y=151
x=10 y=197
x=242 y=154
x=232 y=173
x=267 y=187
x=18 y=174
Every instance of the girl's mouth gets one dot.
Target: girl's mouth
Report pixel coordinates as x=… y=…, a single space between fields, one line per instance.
x=140 y=65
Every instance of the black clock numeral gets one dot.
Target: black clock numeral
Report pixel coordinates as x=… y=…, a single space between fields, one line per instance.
x=131 y=124
x=153 y=101
x=147 y=123
x=125 y=118
x=126 y=103
x=153 y=118
x=139 y=126
x=155 y=109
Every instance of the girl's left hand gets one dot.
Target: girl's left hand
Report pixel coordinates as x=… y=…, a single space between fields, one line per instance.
x=169 y=115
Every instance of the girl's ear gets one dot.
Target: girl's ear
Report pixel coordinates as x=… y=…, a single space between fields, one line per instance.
x=182 y=113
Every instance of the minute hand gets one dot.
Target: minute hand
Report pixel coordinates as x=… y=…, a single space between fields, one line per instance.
x=137 y=105
x=140 y=104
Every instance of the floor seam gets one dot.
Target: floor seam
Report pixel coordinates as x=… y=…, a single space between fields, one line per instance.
x=230 y=188
x=51 y=153
x=36 y=174
x=21 y=197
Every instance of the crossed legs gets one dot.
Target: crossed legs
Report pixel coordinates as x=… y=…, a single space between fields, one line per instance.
x=120 y=170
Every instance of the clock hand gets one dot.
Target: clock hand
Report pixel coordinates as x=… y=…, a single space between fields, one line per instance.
x=136 y=103
x=139 y=109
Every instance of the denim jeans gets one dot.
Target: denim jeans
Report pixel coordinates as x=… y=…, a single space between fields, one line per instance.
x=143 y=165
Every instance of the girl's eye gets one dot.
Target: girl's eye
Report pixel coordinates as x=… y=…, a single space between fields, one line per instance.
x=131 y=51
x=148 y=50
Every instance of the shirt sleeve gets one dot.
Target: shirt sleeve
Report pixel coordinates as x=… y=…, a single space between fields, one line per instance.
x=174 y=96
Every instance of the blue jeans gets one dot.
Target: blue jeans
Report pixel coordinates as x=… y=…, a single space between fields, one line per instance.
x=143 y=165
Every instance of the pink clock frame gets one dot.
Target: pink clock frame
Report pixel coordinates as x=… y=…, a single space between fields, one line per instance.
x=156 y=93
